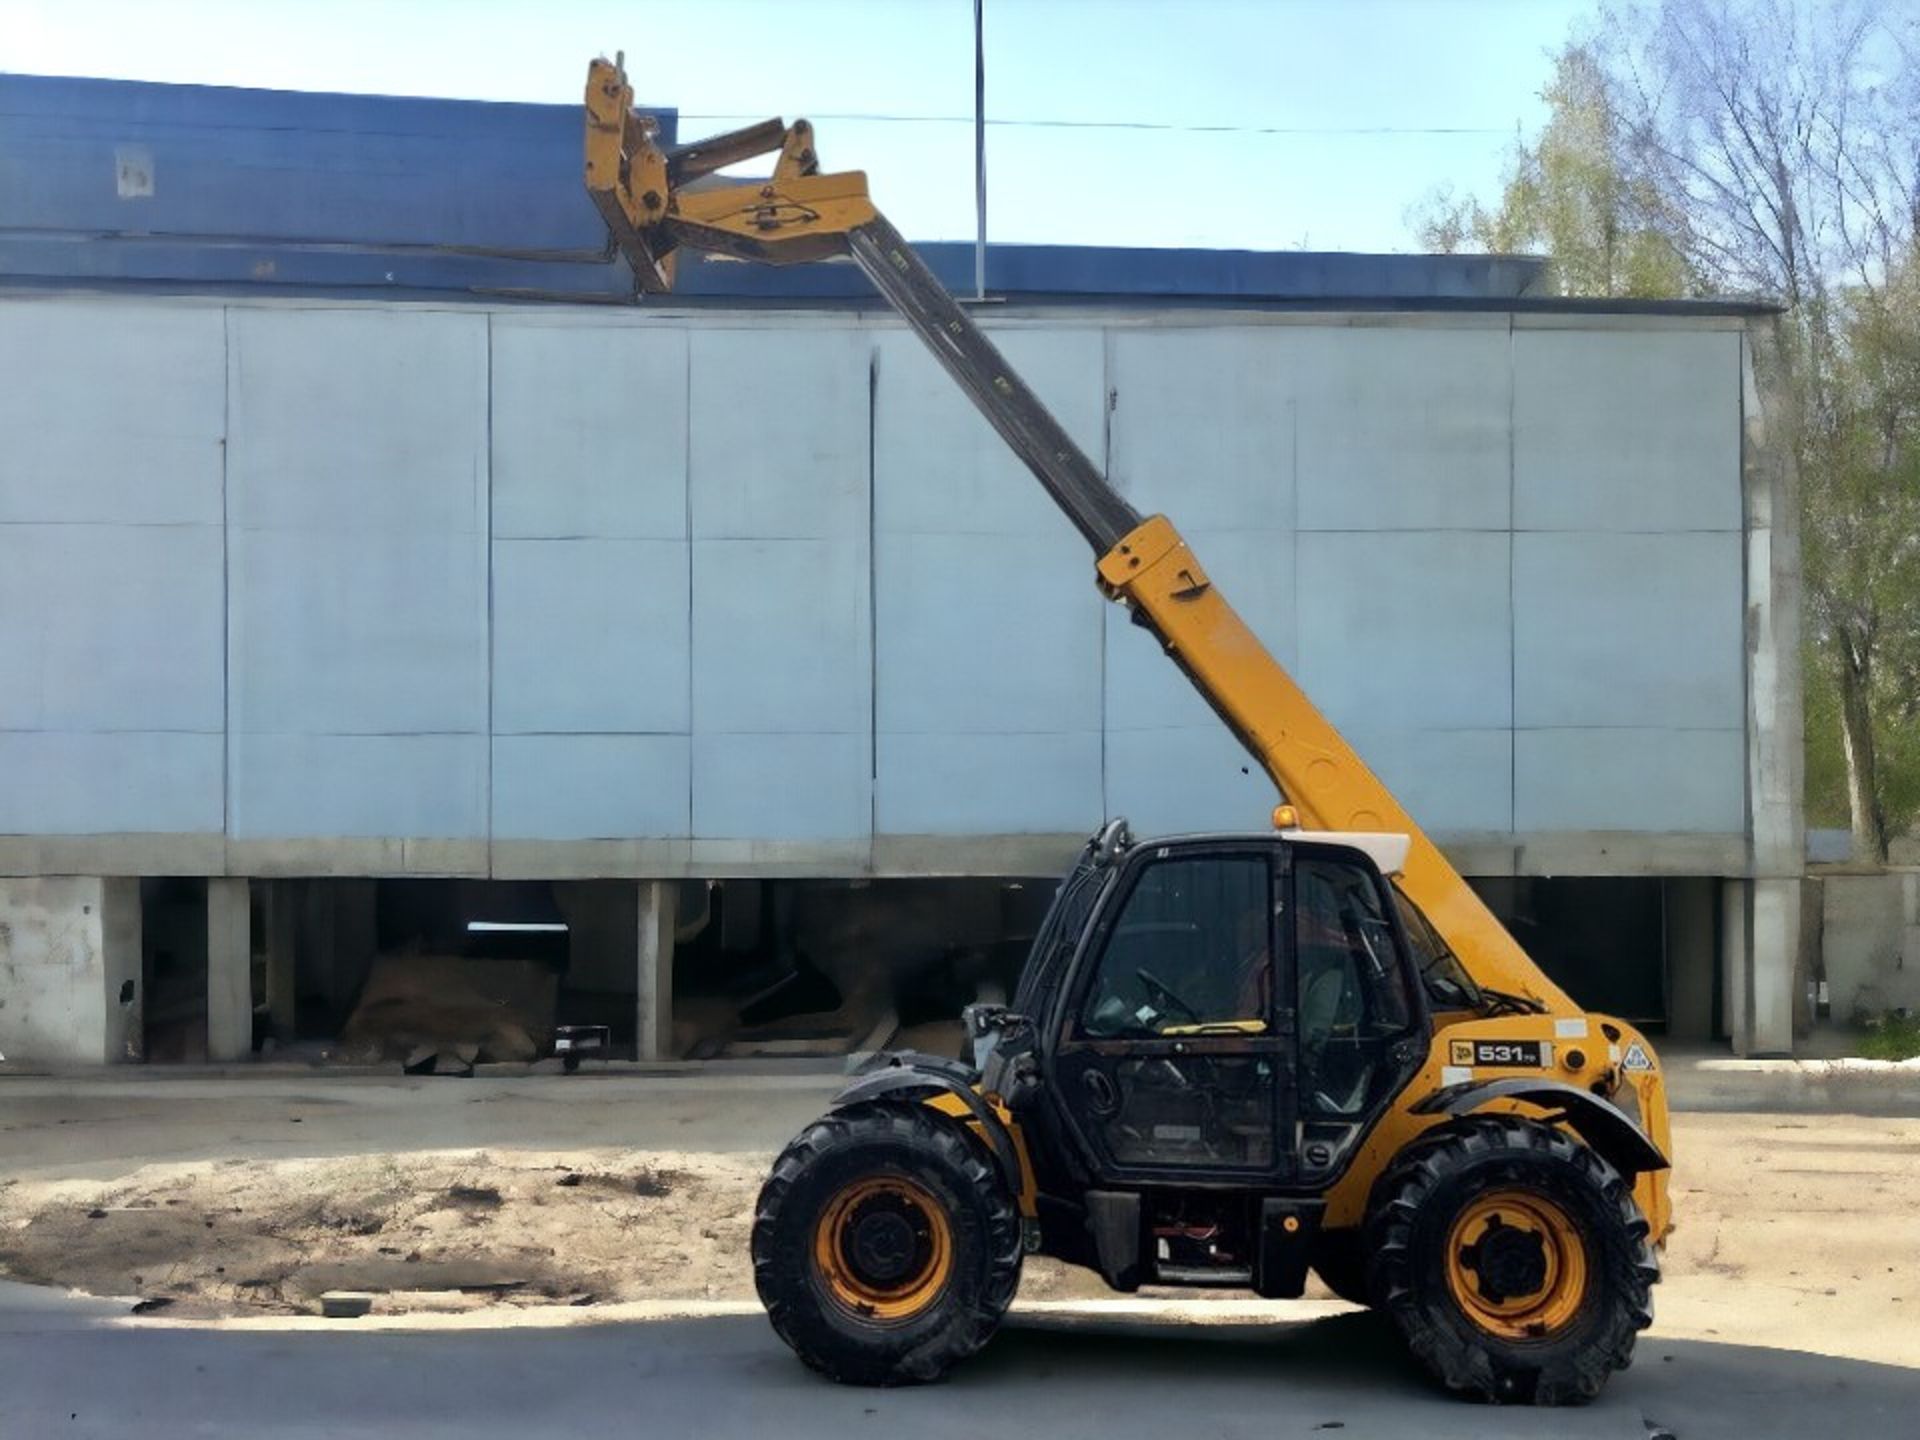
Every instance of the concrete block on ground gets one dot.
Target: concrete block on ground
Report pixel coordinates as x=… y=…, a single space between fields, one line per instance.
x=1870 y=943
x=70 y=975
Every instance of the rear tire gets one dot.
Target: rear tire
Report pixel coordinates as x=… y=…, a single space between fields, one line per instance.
x=885 y=1245
x=1513 y=1261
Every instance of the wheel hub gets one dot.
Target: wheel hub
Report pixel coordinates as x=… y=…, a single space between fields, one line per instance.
x=881 y=1246
x=1516 y=1264
x=1511 y=1263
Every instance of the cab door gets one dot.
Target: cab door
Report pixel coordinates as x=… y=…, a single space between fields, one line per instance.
x=1172 y=1056
x=1358 y=1016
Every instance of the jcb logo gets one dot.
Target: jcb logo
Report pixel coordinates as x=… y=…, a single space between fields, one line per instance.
x=1461 y=1052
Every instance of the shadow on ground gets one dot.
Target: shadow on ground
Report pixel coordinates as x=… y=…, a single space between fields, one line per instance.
x=1042 y=1377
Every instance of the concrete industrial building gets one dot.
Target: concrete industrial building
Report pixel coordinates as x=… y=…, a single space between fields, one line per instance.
x=331 y=552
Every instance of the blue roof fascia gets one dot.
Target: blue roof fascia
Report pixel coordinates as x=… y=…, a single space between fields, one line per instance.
x=284 y=167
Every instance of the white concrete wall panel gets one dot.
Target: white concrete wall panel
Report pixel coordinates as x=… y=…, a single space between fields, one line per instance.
x=371 y=634
x=122 y=782
x=1203 y=425
x=592 y=787
x=782 y=787
x=778 y=432
x=1457 y=781
x=357 y=510
x=1403 y=429
x=1203 y=430
x=592 y=580
x=1637 y=630
x=932 y=783
x=1628 y=780
x=1181 y=779
x=767 y=584
x=589 y=428
x=591 y=636
x=1626 y=429
x=781 y=513
x=112 y=412
x=112 y=651
x=781 y=637
x=359 y=787
x=987 y=625
x=111 y=627
x=1412 y=625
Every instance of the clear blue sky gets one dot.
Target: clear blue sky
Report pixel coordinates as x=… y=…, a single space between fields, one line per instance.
x=1388 y=68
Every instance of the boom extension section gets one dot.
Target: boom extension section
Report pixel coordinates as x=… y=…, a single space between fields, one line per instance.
x=658 y=200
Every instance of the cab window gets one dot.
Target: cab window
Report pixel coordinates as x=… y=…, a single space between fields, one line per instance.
x=1352 y=988
x=1190 y=953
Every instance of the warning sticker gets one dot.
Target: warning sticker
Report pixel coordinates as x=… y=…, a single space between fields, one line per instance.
x=1636 y=1058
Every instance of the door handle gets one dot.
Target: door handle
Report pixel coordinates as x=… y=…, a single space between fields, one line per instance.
x=1102 y=1098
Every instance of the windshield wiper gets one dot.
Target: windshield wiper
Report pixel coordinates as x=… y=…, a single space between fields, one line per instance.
x=1506 y=1003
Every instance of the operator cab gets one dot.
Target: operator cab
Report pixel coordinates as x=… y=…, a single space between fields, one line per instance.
x=1213 y=1013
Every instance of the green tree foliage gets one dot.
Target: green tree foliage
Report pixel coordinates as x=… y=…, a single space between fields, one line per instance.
x=1785 y=135
x=1571 y=196
x=1860 y=542
x=1770 y=148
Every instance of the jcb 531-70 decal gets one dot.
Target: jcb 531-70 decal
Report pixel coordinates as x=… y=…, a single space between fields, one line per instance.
x=1520 y=1054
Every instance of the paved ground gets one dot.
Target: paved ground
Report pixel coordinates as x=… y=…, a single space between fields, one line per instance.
x=101 y=1125
x=1800 y=1233
x=72 y=1375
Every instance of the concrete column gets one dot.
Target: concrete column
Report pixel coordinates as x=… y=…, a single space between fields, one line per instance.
x=653 y=1008
x=1775 y=939
x=283 y=946
x=70 y=972
x=1775 y=721
x=1735 y=967
x=229 y=970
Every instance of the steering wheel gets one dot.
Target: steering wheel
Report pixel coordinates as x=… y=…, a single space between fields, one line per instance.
x=1160 y=990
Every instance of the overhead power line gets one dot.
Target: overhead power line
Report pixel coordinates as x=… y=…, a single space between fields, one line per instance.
x=1051 y=124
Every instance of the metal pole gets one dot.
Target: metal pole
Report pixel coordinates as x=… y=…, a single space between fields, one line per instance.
x=980 y=150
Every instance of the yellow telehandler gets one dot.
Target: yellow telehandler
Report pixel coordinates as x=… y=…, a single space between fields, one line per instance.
x=1231 y=1058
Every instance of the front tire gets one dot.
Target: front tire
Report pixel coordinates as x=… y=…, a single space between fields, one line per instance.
x=1513 y=1260
x=885 y=1246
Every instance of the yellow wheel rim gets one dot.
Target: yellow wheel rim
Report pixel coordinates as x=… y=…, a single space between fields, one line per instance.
x=883 y=1248
x=1516 y=1265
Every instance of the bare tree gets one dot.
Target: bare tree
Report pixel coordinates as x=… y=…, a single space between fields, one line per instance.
x=1785 y=136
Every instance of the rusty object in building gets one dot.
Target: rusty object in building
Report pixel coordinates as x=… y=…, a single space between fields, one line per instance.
x=416 y=1008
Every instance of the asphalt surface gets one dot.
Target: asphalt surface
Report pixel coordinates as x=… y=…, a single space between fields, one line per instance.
x=72 y=1369
x=103 y=1124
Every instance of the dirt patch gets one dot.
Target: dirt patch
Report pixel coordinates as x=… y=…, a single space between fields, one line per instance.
x=512 y=1227
x=651 y=1183
x=435 y=1231
x=1796 y=1232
